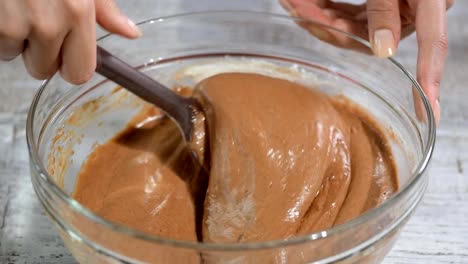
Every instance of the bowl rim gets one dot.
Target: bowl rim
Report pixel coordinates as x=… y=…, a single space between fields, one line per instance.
x=417 y=175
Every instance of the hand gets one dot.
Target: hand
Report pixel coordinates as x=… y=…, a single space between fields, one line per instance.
x=60 y=35
x=384 y=23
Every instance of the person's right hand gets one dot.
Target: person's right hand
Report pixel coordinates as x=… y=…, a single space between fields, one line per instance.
x=60 y=35
x=384 y=23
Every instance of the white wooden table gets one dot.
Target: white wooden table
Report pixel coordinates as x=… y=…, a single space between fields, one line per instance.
x=437 y=233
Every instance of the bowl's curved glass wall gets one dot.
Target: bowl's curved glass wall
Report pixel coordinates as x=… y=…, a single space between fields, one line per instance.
x=66 y=123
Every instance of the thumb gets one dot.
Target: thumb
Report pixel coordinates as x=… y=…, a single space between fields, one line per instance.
x=384 y=26
x=111 y=19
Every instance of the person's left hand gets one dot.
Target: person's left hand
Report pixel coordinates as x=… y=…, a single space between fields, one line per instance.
x=384 y=23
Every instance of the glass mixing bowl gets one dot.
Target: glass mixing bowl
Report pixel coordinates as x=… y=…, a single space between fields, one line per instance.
x=66 y=122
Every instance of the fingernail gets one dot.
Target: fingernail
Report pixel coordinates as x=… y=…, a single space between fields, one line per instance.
x=318 y=32
x=384 y=43
x=136 y=29
x=437 y=112
x=286 y=5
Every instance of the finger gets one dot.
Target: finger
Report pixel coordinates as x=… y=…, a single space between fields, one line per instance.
x=110 y=18
x=432 y=43
x=350 y=9
x=41 y=54
x=79 y=47
x=309 y=10
x=384 y=26
x=10 y=48
x=14 y=29
x=287 y=6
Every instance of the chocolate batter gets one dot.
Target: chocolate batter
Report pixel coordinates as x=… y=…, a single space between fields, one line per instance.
x=284 y=160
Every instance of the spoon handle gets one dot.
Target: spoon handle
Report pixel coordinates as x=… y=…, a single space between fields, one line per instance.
x=148 y=89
